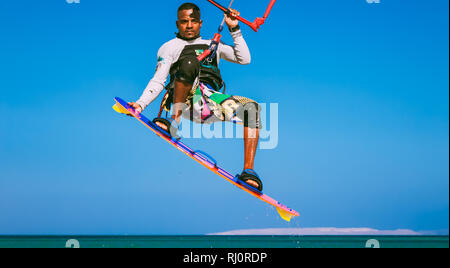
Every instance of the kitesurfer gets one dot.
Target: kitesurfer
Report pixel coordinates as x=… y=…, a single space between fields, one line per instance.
x=194 y=86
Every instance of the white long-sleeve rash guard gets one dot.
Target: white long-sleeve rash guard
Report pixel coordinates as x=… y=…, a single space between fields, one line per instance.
x=169 y=53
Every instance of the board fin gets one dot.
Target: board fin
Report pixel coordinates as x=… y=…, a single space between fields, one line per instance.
x=285 y=215
x=118 y=108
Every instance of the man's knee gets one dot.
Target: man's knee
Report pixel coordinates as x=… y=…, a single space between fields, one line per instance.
x=188 y=69
x=250 y=114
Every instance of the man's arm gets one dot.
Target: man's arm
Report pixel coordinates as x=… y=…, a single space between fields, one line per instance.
x=157 y=83
x=239 y=53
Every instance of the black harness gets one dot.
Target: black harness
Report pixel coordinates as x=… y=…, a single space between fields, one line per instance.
x=209 y=72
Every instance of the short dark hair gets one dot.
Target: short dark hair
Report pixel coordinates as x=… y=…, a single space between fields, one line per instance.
x=189 y=6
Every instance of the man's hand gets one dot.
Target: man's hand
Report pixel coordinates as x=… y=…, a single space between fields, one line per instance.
x=136 y=107
x=231 y=20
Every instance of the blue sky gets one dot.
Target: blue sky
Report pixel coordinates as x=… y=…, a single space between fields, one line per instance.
x=363 y=119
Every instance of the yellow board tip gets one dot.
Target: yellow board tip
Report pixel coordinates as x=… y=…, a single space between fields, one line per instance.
x=285 y=215
x=118 y=108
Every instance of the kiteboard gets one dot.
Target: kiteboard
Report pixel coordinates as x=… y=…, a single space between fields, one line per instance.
x=204 y=159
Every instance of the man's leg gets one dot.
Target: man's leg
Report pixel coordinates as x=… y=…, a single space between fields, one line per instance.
x=251 y=138
x=188 y=71
x=182 y=89
x=189 y=68
x=250 y=114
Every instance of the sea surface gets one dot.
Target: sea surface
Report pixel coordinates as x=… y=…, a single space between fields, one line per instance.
x=224 y=241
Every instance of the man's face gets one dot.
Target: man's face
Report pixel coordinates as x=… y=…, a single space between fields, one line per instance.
x=189 y=23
